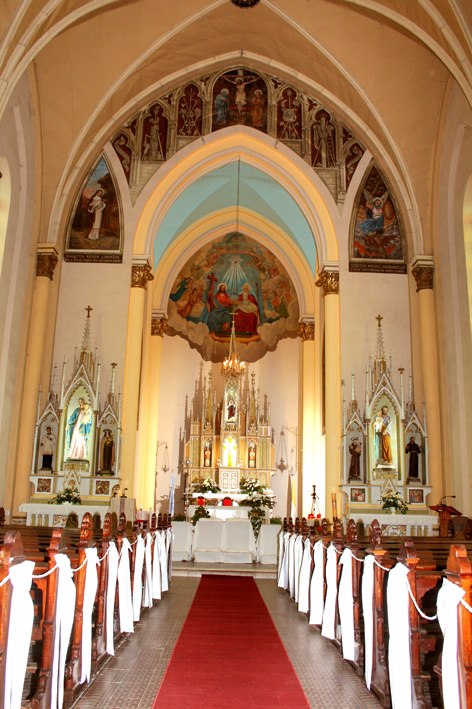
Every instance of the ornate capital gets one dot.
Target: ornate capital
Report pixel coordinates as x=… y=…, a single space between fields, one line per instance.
x=306 y=330
x=329 y=282
x=140 y=275
x=158 y=326
x=45 y=264
x=423 y=277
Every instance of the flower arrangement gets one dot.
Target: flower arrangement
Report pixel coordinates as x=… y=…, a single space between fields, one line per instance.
x=199 y=513
x=208 y=485
x=68 y=494
x=393 y=501
x=257 y=499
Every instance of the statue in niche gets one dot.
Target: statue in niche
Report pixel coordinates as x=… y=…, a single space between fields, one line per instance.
x=107 y=451
x=47 y=448
x=383 y=433
x=413 y=450
x=78 y=430
x=355 y=449
x=252 y=457
x=207 y=456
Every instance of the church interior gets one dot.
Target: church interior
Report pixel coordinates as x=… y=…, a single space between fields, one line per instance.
x=228 y=254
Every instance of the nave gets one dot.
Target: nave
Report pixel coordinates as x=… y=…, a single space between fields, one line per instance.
x=132 y=678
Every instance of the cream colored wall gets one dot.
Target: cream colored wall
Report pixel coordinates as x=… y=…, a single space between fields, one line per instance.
x=451 y=298
x=17 y=147
x=276 y=375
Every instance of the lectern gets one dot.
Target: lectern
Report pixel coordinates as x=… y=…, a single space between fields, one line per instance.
x=445 y=513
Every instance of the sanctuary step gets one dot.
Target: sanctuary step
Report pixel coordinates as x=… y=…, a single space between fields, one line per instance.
x=197 y=568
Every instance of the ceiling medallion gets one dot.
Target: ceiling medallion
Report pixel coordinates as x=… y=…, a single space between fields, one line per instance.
x=245 y=3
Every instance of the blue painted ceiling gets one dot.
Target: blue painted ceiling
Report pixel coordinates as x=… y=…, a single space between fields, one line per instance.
x=218 y=190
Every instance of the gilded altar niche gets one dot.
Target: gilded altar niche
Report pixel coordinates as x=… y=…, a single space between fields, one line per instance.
x=230 y=437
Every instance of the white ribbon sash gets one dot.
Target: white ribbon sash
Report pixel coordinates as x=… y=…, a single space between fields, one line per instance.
x=90 y=591
x=111 y=592
x=20 y=628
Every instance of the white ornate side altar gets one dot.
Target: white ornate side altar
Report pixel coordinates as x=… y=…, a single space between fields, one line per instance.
x=398 y=525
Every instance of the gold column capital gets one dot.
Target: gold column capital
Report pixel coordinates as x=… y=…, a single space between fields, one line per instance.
x=306 y=330
x=141 y=273
x=329 y=282
x=46 y=262
x=423 y=275
x=158 y=326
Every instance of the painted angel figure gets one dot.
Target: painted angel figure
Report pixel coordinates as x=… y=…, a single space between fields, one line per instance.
x=374 y=223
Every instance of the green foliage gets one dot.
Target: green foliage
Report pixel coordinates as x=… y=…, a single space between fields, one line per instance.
x=68 y=494
x=275 y=520
x=394 y=501
x=258 y=500
x=208 y=485
x=200 y=513
x=179 y=518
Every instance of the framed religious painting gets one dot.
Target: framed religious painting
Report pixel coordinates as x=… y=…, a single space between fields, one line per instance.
x=95 y=231
x=376 y=233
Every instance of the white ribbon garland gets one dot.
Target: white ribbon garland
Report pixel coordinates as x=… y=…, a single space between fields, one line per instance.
x=20 y=627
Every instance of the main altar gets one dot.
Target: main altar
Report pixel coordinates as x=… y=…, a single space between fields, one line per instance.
x=231 y=437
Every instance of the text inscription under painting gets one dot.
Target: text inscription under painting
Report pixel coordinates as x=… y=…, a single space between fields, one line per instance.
x=376 y=238
x=233 y=278
x=94 y=233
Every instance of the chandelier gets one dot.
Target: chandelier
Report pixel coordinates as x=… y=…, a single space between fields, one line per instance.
x=245 y=3
x=232 y=366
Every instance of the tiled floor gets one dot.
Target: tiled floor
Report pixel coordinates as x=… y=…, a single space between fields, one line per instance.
x=131 y=679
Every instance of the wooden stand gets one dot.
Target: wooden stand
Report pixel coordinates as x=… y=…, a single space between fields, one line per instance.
x=445 y=512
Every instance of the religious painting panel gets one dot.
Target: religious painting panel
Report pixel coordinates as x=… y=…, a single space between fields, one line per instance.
x=189 y=120
x=357 y=494
x=376 y=241
x=415 y=497
x=323 y=141
x=233 y=277
x=44 y=485
x=95 y=233
x=289 y=116
x=239 y=98
x=154 y=138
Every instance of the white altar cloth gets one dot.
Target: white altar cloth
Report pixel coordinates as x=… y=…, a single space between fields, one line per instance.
x=224 y=542
x=208 y=540
x=181 y=541
x=267 y=543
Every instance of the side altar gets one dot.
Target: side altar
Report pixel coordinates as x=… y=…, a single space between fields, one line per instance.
x=385 y=452
x=230 y=439
x=77 y=444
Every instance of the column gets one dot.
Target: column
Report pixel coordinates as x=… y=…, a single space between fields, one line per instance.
x=329 y=282
x=306 y=475
x=423 y=272
x=141 y=273
x=158 y=327
x=46 y=262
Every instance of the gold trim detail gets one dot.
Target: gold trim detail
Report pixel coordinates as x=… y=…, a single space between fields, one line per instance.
x=140 y=275
x=329 y=282
x=158 y=326
x=45 y=265
x=306 y=330
x=423 y=277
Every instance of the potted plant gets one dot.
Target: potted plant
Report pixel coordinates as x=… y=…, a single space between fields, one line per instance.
x=258 y=500
x=393 y=502
x=68 y=496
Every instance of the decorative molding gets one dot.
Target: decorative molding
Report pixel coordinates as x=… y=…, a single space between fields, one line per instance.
x=46 y=262
x=140 y=275
x=423 y=277
x=158 y=326
x=306 y=330
x=329 y=282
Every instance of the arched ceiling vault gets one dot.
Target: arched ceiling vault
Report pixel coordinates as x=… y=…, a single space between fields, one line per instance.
x=97 y=62
x=308 y=197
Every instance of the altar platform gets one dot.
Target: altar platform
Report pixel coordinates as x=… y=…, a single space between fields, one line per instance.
x=194 y=568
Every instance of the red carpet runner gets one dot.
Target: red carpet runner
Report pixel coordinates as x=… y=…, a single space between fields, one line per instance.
x=229 y=654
